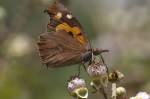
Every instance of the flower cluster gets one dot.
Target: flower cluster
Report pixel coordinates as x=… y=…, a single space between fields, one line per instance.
x=100 y=79
x=141 y=95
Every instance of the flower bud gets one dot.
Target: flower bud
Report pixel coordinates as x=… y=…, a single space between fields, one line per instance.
x=121 y=93
x=115 y=76
x=97 y=69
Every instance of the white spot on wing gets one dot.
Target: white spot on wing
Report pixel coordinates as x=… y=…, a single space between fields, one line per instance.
x=69 y=16
x=59 y=15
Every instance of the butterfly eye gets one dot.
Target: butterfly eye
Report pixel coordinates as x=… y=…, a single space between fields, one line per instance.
x=58 y=15
x=69 y=16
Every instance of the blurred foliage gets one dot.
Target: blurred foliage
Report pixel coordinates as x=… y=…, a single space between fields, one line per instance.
x=122 y=26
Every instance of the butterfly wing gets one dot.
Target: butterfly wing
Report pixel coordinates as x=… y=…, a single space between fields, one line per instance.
x=65 y=43
x=59 y=49
x=62 y=19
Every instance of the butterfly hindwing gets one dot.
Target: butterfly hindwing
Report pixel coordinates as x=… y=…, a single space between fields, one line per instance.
x=56 y=51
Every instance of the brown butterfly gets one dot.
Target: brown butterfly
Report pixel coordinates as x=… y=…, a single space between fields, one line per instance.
x=65 y=42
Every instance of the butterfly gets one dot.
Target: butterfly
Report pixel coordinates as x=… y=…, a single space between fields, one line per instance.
x=65 y=42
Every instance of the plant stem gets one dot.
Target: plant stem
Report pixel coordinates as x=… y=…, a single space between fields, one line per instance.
x=102 y=90
x=113 y=90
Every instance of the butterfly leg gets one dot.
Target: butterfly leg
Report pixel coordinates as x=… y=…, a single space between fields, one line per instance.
x=79 y=70
x=101 y=56
x=84 y=67
x=99 y=52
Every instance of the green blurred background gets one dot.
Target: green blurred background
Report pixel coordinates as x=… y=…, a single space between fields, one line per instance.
x=122 y=26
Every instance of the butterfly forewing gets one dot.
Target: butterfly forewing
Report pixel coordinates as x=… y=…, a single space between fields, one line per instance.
x=60 y=16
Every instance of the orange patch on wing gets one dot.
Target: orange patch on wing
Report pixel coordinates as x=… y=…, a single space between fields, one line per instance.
x=81 y=39
x=63 y=26
x=75 y=30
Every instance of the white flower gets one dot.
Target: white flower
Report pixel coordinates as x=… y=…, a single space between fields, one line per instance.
x=77 y=88
x=141 y=95
x=121 y=91
x=97 y=69
x=76 y=83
